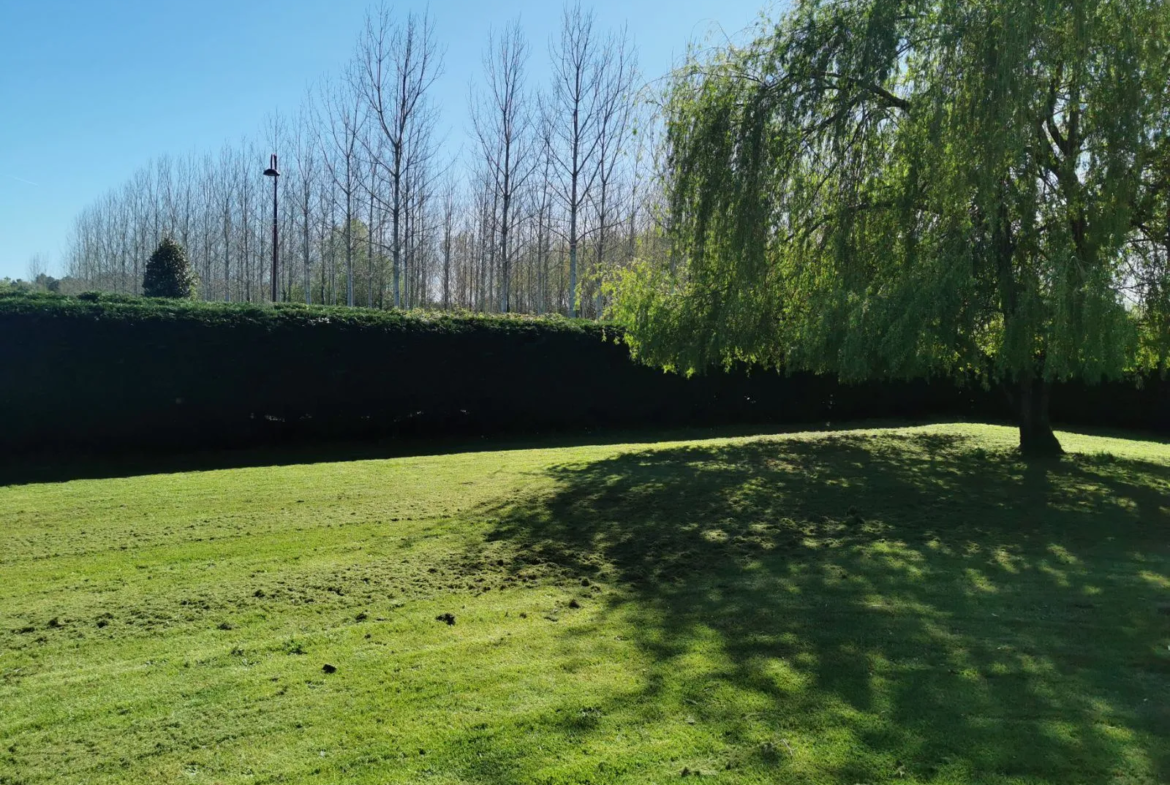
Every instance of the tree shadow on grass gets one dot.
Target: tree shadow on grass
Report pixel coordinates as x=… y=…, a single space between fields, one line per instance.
x=900 y=606
x=61 y=465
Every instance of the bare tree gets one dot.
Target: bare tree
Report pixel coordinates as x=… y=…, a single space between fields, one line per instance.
x=544 y=214
x=38 y=268
x=400 y=63
x=573 y=108
x=613 y=127
x=305 y=173
x=417 y=189
x=370 y=186
x=205 y=220
x=342 y=127
x=502 y=125
x=225 y=198
x=246 y=204
x=450 y=211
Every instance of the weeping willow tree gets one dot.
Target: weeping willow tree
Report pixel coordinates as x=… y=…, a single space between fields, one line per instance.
x=906 y=188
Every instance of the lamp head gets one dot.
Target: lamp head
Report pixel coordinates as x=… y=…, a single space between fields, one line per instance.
x=271 y=171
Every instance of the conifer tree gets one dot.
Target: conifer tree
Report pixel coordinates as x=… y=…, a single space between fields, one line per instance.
x=167 y=272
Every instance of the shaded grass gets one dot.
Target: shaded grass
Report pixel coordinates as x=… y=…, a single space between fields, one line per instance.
x=61 y=466
x=907 y=605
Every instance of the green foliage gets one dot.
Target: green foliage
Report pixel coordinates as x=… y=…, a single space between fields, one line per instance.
x=42 y=283
x=17 y=286
x=882 y=606
x=168 y=274
x=898 y=188
x=130 y=310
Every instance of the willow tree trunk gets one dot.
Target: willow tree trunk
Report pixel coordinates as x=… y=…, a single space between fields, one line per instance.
x=1036 y=437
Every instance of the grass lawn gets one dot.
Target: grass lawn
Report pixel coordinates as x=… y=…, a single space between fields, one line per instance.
x=872 y=606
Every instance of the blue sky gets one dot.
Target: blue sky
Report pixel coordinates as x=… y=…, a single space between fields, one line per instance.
x=92 y=89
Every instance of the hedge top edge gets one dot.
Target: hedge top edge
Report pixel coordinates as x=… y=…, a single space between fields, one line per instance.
x=94 y=305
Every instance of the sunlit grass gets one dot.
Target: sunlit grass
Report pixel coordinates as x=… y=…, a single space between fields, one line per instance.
x=901 y=605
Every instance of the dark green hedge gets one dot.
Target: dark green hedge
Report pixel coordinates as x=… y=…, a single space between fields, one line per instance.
x=112 y=372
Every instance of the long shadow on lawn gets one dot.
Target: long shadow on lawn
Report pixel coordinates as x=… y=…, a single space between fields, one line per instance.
x=66 y=465
x=904 y=606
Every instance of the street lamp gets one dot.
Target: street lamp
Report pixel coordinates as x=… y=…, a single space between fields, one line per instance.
x=274 y=174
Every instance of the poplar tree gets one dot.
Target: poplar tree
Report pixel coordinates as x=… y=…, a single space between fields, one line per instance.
x=906 y=188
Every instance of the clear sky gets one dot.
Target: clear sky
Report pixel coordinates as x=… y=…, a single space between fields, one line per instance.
x=92 y=89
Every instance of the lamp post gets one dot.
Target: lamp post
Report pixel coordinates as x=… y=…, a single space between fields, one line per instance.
x=274 y=174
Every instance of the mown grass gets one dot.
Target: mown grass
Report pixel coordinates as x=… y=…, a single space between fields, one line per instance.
x=901 y=605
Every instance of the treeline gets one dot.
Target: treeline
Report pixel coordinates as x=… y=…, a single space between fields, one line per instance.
x=555 y=194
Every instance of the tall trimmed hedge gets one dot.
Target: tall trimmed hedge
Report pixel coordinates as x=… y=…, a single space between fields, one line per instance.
x=110 y=372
